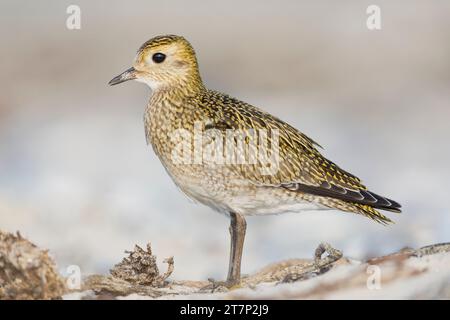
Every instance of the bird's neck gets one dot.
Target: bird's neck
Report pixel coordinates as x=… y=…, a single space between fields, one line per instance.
x=169 y=110
x=177 y=87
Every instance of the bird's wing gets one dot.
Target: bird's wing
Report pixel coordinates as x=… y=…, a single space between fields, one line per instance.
x=300 y=166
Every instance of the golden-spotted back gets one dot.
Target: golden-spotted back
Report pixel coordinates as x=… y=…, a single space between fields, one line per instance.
x=302 y=168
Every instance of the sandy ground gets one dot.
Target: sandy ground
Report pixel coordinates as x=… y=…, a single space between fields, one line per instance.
x=407 y=274
x=28 y=272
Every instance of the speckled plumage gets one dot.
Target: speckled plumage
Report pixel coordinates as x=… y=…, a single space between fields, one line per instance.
x=304 y=175
x=304 y=180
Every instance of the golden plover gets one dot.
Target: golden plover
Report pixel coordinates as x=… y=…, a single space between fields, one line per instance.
x=293 y=177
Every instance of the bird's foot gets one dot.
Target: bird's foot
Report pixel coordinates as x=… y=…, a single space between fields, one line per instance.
x=220 y=286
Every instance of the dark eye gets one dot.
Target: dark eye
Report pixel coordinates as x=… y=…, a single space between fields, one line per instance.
x=159 y=57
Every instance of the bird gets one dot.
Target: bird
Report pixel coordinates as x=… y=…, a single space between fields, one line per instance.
x=290 y=174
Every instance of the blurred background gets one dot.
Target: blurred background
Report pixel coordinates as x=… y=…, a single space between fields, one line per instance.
x=76 y=176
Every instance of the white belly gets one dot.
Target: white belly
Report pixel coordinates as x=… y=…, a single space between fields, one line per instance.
x=244 y=200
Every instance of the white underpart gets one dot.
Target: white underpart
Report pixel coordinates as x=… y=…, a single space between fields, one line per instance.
x=265 y=208
x=154 y=85
x=259 y=203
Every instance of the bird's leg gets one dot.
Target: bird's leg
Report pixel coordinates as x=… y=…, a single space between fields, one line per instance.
x=238 y=226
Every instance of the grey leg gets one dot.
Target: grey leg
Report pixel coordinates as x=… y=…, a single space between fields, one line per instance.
x=238 y=227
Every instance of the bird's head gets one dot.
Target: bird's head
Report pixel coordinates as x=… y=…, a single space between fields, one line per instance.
x=164 y=62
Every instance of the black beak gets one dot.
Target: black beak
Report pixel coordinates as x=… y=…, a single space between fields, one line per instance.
x=129 y=74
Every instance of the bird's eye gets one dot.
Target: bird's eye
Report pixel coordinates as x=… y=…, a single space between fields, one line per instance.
x=158 y=57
